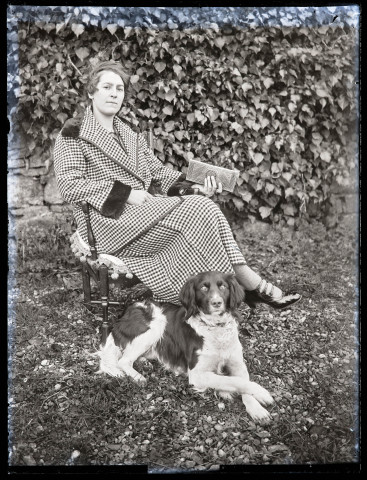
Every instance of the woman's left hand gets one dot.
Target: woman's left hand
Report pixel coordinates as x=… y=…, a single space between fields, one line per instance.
x=210 y=187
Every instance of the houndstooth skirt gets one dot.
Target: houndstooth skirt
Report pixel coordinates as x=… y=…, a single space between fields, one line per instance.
x=193 y=238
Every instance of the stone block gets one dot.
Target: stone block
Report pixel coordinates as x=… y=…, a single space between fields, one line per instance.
x=38 y=160
x=16 y=163
x=66 y=208
x=28 y=172
x=351 y=204
x=16 y=157
x=29 y=211
x=23 y=191
x=51 y=193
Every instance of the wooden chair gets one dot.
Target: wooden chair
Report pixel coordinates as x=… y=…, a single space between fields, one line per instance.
x=103 y=269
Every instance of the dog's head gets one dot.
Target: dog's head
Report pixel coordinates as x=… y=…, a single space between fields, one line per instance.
x=211 y=292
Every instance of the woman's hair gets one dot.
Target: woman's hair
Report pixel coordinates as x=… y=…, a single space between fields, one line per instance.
x=101 y=67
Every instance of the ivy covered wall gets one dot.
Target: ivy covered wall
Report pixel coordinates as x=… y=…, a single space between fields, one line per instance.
x=271 y=92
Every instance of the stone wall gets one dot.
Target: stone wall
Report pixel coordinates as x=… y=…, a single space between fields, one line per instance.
x=32 y=188
x=33 y=191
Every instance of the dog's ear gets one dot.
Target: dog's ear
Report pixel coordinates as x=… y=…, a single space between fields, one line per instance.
x=236 y=292
x=188 y=297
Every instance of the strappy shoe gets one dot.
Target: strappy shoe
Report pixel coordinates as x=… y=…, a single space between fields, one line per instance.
x=263 y=293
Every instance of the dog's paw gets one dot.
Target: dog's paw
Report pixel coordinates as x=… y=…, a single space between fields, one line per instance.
x=139 y=378
x=261 y=394
x=258 y=413
x=226 y=395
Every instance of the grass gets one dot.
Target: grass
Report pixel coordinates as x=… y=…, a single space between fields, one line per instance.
x=62 y=413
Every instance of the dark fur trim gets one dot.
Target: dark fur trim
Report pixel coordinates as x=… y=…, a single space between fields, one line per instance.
x=115 y=202
x=180 y=187
x=72 y=127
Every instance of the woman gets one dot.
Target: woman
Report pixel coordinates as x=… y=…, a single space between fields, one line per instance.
x=102 y=159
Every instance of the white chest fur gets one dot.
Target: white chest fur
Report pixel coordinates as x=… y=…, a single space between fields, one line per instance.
x=220 y=333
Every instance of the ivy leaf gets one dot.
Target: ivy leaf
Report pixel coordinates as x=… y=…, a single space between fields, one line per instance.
x=178 y=70
x=160 y=66
x=325 y=156
x=77 y=28
x=342 y=102
x=265 y=211
x=170 y=95
x=237 y=127
x=272 y=111
x=321 y=92
x=134 y=79
x=62 y=117
x=287 y=176
x=246 y=86
x=292 y=107
x=258 y=158
x=238 y=203
x=213 y=113
x=169 y=126
x=246 y=197
x=59 y=26
x=288 y=210
x=59 y=68
x=112 y=27
x=168 y=109
x=191 y=118
x=268 y=82
x=82 y=53
x=219 y=42
x=179 y=135
x=200 y=117
x=289 y=192
x=128 y=31
x=243 y=112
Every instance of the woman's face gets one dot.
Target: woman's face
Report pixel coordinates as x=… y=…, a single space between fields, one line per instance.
x=109 y=94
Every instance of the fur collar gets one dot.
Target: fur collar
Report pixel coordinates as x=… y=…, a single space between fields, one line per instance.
x=72 y=126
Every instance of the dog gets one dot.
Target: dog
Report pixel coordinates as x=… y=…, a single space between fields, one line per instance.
x=199 y=339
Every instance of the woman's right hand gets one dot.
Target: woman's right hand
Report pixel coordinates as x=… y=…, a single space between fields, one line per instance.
x=138 y=197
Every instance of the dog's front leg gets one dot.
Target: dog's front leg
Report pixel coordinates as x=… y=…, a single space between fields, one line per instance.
x=202 y=380
x=253 y=407
x=140 y=346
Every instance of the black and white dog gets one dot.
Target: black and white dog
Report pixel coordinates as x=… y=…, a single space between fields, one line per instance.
x=199 y=338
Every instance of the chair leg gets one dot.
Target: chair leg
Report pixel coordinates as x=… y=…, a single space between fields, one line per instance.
x=86 y=284
x=104 y=289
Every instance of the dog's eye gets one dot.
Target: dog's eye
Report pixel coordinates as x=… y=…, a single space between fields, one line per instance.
x=222 y=287
x=204 y=288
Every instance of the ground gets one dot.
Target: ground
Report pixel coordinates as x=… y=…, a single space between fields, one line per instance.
x=63 y=413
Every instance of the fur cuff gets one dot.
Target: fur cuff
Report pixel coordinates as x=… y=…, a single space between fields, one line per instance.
x=180 y=187
x=72 y=127
x=115 y=202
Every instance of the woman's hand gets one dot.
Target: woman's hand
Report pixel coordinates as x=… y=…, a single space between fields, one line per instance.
x=138 y=197
x=210 y=187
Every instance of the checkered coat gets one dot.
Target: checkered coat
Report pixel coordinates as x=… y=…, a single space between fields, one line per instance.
x=163 y=241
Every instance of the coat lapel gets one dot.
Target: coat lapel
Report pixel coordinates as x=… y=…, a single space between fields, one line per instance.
x=92 y=131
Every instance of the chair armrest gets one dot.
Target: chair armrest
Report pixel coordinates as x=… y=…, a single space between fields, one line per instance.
x=91 y=239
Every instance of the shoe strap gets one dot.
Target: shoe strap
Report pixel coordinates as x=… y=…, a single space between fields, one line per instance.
x=263 y=288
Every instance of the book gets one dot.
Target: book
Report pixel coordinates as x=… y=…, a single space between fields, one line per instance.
x=197 y=172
